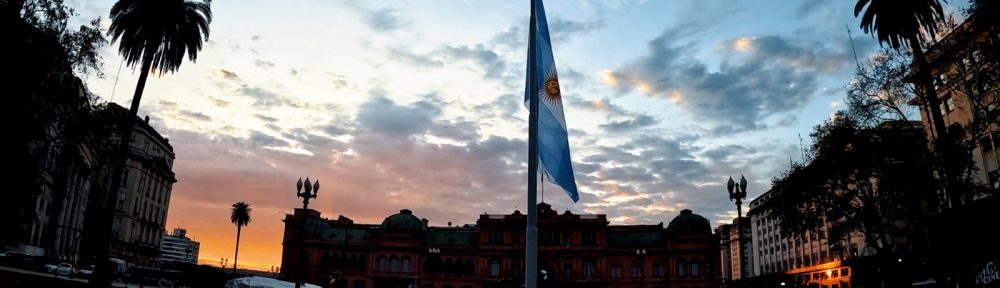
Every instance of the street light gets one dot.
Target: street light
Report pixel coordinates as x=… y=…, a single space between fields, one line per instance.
x=314 y=188
x=310 y=192
x=641 y=254
x=738 y=193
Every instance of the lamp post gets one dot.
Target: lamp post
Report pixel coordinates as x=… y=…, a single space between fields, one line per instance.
x=738 y=193
x=641 y=255
x=310 y=192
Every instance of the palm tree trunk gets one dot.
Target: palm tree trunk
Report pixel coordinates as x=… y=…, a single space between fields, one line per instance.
x=237 y=256
x=103 y=277
x=943 y=142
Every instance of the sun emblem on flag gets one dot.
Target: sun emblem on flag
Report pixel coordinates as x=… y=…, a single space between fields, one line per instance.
x=550 y=89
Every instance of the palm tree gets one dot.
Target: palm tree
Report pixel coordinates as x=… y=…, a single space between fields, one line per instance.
x=157 y=34
x=899 y=22
x=241 y=217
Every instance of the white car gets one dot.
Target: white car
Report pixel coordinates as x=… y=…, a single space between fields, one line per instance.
x=86 y=271
x=65 y=269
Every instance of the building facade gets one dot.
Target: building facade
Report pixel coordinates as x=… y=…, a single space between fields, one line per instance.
x=178 y=247
x=736 y=265
x=143 y=198
x=808 y=259
x=965 y=68
x=966 y=78
x=574 y=251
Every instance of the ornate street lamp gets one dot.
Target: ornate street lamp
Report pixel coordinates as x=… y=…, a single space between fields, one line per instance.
x=311 y=191
x=738 y=193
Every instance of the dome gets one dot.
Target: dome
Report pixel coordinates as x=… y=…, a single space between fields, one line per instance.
x=688 y=223
x=404 y=221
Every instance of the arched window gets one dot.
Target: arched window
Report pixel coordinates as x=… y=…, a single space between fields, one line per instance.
x=494 y=267
x=682 y=268
x=588 y=268
x=406 y=264
x=695 y=269
x=708 y=266
x=326 y=260
x=636 y=269
x=658 y=268
x=393 y=264
x=470 y=267
x=616 y=269
x=381 y=263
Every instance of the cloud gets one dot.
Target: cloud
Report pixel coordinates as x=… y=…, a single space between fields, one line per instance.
x=219 y=102
x=382 y=19
x=195 y=115
x=492 y=64
x=639 y=121
x=562 y=30
x=226 y=74
x=263 y=63
x=264 y=139
x=265 y=118
x=761 y=77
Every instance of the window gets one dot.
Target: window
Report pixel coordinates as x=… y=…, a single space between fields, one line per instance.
x=515 y=269
x=695 y=269
x=588 y=268
x=495 y=268
x=636 y=269
x=658 y=269
x=393 y=264
x=681 y=268
x=406 y=264
x=568 y=269
x=496 y=237
x=381 y=263
x=359 y=283
x=588 y=238
x=616 y=269
x=516 y=236
x=947 y=105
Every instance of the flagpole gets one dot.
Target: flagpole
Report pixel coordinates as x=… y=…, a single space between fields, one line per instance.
x=531 y=235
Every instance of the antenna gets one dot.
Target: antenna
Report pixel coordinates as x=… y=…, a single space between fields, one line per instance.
x=851 y=38
x=115 y=86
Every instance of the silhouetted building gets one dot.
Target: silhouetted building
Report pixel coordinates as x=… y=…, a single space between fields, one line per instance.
x=48 y=164
x=143 y=197
x=965 y=67
x=737 y=265
x=178 y=247
x=574 y=251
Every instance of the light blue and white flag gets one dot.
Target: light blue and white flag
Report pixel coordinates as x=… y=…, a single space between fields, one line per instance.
x=553 y=144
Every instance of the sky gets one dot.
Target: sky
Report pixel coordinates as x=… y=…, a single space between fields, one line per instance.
x=418 y=105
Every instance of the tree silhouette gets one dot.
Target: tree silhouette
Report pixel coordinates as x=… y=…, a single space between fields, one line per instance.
x=240 y=216
x=155 y=35
x=899 y=22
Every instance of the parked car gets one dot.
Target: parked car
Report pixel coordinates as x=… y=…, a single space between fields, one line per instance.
x=86 y=271
x=51 y=268
x=11 y=254
x=65 y=269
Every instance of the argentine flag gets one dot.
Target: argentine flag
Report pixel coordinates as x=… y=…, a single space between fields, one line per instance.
x=553 y=145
